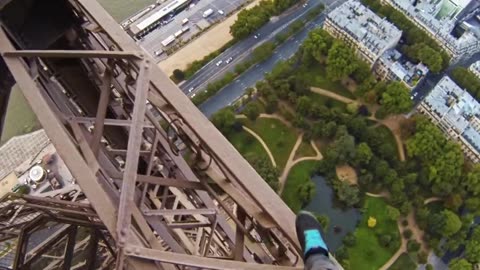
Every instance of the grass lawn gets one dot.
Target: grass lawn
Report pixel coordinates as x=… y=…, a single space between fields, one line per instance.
x=404 y=262
x=279 y=138
x=298 y=175
x=120 y=10
x=368 y=253
x=317 y=76
x=19 y=118
x=305 y=150
x=247 y=145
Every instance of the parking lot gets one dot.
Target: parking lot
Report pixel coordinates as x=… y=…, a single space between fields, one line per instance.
x=152 y=41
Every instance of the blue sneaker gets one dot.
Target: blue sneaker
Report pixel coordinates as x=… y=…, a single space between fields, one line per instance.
x=309 y=235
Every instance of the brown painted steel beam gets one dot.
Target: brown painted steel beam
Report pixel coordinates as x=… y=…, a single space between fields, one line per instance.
x=127 y=195
x=200 y=262
x=170 y=182
x=179 y=212
x=101 y=111
x=107 y=122
x=215 y=142
x=135 y=55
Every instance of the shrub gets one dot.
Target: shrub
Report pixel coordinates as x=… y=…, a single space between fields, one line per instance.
x=413 y=246
x=407 y=234
x=349 y=240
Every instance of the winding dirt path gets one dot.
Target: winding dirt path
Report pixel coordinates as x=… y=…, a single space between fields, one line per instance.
x=432 y=199
x=400 y=251
x=292 y=162
x=383 y=194
x=276 y=116
x=330 y=94
x=264 y=145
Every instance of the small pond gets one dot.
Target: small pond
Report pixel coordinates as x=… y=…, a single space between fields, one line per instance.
x=344 y=219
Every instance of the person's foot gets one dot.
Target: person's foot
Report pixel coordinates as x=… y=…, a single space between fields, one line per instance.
x=309 y=234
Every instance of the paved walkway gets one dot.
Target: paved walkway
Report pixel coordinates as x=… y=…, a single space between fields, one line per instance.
x=292 y=162
x=432 y=199
x=400 y=251
x=264 y=145
x=333 y=95
x=276 y=116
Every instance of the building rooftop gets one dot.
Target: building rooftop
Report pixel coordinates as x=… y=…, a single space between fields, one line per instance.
x=457 y=109
x=475 y=68
x=21 y=148
x=156 y=14
x=441 y=17
x=365 y=26
x=406 y=71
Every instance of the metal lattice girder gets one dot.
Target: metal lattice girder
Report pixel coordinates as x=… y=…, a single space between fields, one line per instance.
x=219 y=200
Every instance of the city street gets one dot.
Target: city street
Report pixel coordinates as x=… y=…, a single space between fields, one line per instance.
x=152 y=42
x=286 y=50
x=244 y=48
x=432 y=79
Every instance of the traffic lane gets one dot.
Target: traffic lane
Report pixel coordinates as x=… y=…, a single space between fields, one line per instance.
x=237 y=88
x=249 y=42
x=431 y=80
x=206 y=71
x=209 y=72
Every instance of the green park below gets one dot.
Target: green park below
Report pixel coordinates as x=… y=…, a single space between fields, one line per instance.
x=358 y=125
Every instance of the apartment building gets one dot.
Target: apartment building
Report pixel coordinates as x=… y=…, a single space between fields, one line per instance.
x=363 y=30
x=475 y=68
x=457 y=114
x=454 y=24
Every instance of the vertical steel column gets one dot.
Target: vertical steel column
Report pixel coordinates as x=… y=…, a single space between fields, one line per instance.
x=134 y=143
x=239 y=236
x=69 y=251
x=101 y=110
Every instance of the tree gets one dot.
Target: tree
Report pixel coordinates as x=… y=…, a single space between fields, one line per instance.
x=346 y=193
x=363 y=153
x=344 y=148
x=452 y=223
x=413 y=246
x=224 y=120
x=317 y=44
x=263 y=52
x=362 y=73
x=460 y=264
x=396 y=98
x=472 y=182
x=407 y=234
x=473 y=204
x=266 y=170
x=304 y=105
x=281 y=5
x=393 y=213
x=272 y=103
x=441 y=160
x=454 y=201
x=385 y=240
x=324 y=221
x=306 y=192
x=341 y=61
x=252 y=111
x=349 y=240
x=472 y=251
x=429 y=267
x=249 y=20
x=178 y=75
x=422 y=257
